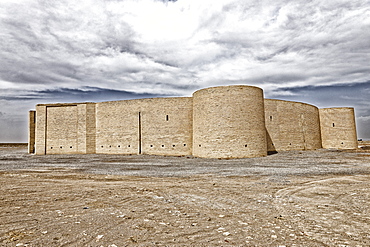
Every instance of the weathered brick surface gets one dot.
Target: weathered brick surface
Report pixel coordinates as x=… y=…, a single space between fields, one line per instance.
x=161 y=126
x=229 y=122
x=61 y=130
x=117 y=127
x=338 y=128
x=291 y=125
x=40 y=133
x=90 y=128
x=65 y=128
x=167 y=126
x=31 y=131
x=218 y=122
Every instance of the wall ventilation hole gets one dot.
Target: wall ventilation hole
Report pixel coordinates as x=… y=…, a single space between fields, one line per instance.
x=290 y=144
x=119 y=146
x=129 y=146
x=166 y=117
x=102 y=146
x=246 y=145
x=333 y=125
x=151 y=146
x=200 y=145
x=270 y=118
x=162 y=146
x=70 y=147
x=173 y=145
x=342 y=143
x=110 y=146
x=272 y=144
x=61 y=147
x=184 y=145
x=51 y=147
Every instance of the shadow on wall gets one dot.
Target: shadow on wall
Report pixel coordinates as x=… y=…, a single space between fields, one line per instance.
x=270 y=146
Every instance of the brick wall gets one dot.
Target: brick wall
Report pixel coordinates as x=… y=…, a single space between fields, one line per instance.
x=291 y=126
x=218 y=122
x=65 y=128
x=338 y=128
x=40 y=133
x=62 y=129
x=228 y=122
x=31 y=131
x=161 y=126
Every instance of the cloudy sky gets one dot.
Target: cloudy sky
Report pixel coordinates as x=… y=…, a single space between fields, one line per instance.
x=51 y=51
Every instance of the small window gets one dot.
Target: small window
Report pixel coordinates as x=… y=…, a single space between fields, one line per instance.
x=162 y=146
x=200 y=145
x=110 y=146
x=70 y=147
x=61 y=147
x=166 y=117
x=270 y=118
x=151 y=146
x=129 y=146
x=173 y=145
x=333 y=125
x=342 y=143
x=51 y=147
x=246 y=145
x=184 y=145
x=119 y=146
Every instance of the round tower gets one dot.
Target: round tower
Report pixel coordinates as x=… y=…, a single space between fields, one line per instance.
x=229 y=122
x=291 y=126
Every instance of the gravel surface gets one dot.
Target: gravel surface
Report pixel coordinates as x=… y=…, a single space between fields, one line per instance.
x=295 y=198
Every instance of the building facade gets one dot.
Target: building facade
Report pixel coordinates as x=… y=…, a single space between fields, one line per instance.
x=218 y=122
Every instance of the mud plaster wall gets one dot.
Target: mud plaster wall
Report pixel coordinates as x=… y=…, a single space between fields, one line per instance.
x=291 y=126
x=229 y=122
x=338 y=128
x=161 y=126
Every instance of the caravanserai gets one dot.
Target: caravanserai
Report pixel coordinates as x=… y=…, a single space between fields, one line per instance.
x=217 y=122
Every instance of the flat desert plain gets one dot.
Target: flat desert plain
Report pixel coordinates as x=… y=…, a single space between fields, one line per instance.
x=295 y=198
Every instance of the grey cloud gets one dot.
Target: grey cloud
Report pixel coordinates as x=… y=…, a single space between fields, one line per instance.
x=80 y=95
x=71 y=51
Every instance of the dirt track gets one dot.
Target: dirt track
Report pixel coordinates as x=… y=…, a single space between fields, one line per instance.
x=312 y=198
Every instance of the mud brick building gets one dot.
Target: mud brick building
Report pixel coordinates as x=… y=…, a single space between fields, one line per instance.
x=217 y=122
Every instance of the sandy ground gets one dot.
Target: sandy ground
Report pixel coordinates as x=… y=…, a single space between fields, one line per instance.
x=312 y=198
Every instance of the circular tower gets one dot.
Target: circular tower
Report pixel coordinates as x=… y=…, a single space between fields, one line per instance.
x=291 y=125
x=229 y=122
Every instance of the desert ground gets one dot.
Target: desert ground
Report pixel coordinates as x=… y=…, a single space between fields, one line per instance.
x=295 y=198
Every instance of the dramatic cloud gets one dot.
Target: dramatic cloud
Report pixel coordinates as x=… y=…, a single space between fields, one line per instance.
x=160 y=47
